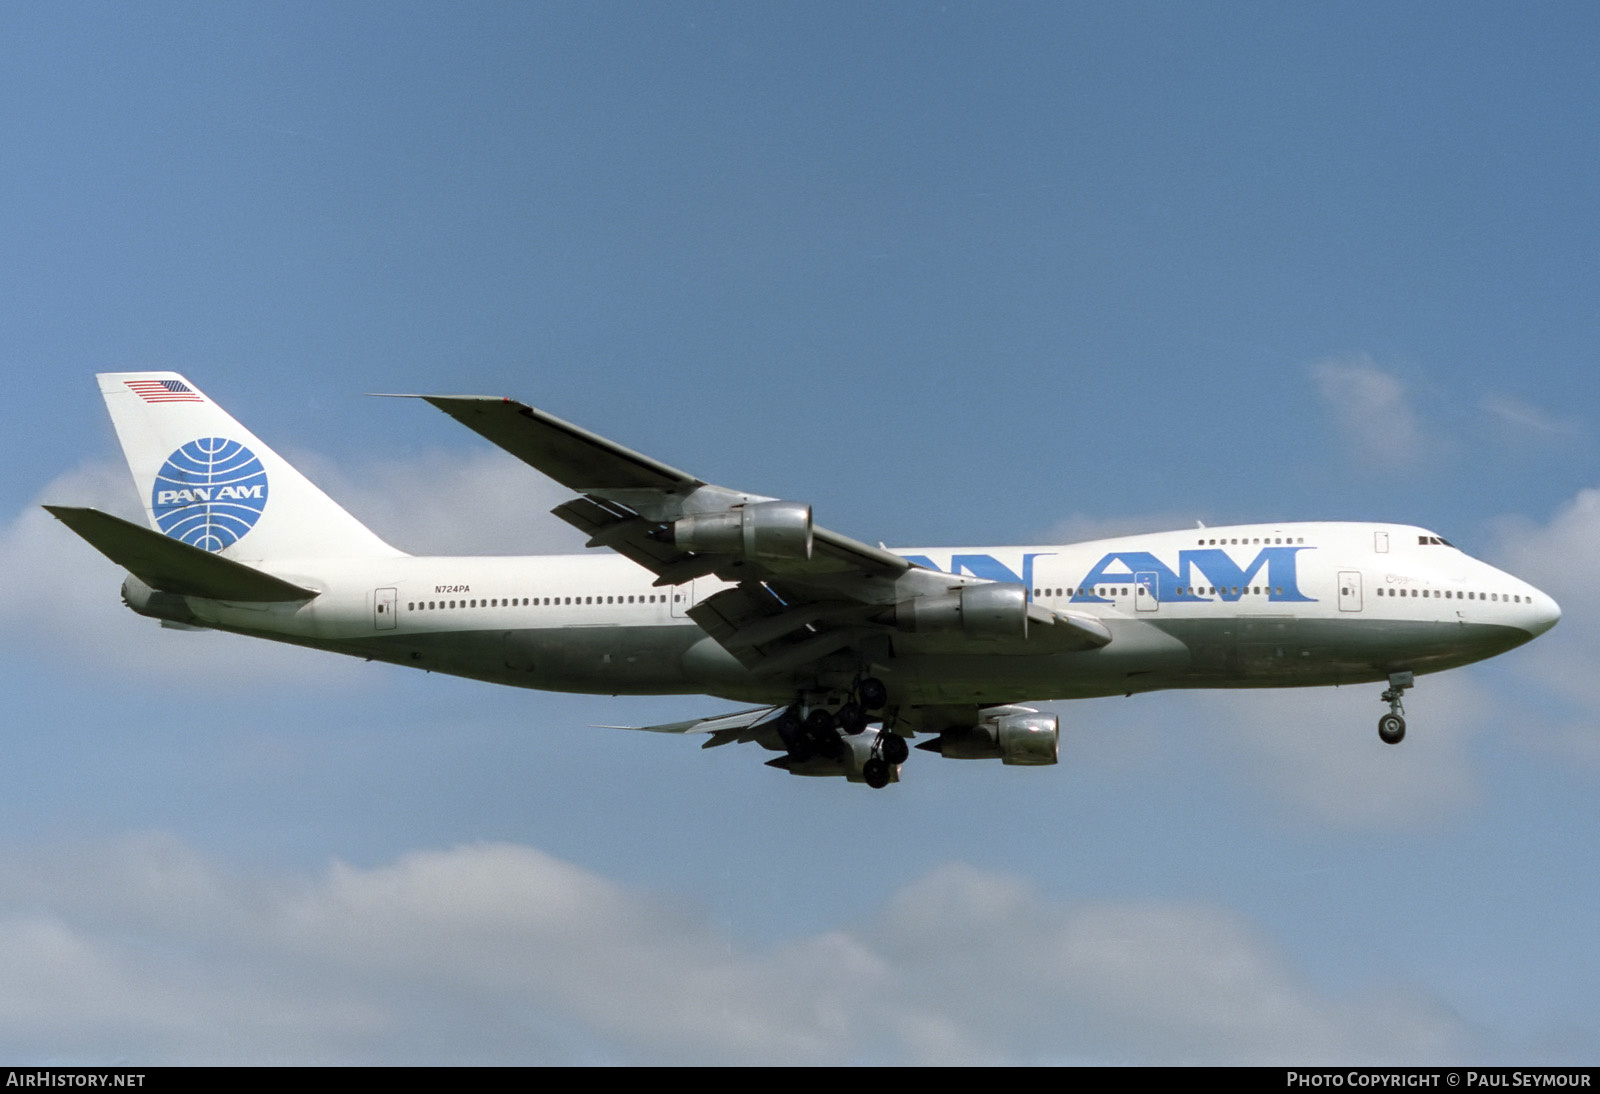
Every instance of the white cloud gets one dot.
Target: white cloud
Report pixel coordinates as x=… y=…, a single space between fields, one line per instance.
x=1561 y=558
x=501 y=953
x=478 y=502
x=1527 y=418
x=1131 y=981
x=1372 y=408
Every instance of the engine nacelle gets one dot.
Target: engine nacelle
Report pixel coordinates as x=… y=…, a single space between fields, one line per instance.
x=766 y=529
x=1026 y=739
x=993 y=610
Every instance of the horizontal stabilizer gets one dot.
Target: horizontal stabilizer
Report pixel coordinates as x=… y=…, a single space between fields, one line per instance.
x=171 y=565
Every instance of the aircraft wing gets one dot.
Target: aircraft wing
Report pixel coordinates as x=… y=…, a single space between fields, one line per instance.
x=801 y=591
x=574 y=457
x=622 y=485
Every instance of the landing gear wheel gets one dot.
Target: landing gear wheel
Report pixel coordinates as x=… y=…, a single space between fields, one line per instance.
x=894 y=747
x=824 y=738
x=794 y=736
x=1392 y=726
x=873 y=694
x=876 y=773
x=852 y=719
x=819 y=721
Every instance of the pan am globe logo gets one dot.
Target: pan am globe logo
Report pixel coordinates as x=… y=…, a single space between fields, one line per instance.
x=209 y=493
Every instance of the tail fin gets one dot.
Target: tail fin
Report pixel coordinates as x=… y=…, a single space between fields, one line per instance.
x=206 y=480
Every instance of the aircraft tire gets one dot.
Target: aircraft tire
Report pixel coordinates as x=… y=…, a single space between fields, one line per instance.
x=852 y=719
x=873 y=694
x=831 y=745
x=820 y=721
x=895 y=750
x=876 y=773
x=1391 y=729
x=794 y=736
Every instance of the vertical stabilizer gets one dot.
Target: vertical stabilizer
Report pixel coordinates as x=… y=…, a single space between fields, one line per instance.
x=206 y=480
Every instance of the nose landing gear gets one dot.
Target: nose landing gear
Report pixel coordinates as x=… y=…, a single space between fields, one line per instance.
x=1392 y=726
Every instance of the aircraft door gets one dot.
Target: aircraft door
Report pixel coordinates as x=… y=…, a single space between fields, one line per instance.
x=683 y=599
x=1349 y=591
x=385 y=610
x=1146 y=592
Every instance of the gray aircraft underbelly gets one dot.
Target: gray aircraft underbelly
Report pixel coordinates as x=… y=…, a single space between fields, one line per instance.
x=1246 y=651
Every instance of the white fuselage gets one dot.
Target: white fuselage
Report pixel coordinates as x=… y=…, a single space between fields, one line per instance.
x=1244 y=606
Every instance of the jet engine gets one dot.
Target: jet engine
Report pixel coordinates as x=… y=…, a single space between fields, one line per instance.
x=991 y=610
x=766 y=529
x=1019 y=737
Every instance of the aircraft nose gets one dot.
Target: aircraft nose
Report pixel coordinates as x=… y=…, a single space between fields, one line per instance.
x=1545 y=614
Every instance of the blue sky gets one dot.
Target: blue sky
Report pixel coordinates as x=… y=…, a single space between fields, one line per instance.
x=956 y=274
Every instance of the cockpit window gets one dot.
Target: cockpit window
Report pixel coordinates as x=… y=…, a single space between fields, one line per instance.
x=1433 y=541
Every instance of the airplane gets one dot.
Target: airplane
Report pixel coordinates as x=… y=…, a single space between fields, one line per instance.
x=850 y=650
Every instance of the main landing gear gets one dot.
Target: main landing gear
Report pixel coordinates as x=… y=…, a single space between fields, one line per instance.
x=888 y=752
x=818 y=731
x=1392 y=726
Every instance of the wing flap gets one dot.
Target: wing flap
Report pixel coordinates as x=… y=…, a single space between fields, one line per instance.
x=1070 y=630
x=608 y=524
x=171 y=565
x=734 y=723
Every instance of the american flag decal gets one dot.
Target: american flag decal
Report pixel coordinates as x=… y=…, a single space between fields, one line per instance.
x=164 y=391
